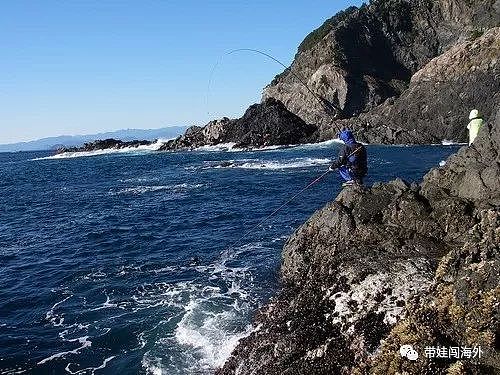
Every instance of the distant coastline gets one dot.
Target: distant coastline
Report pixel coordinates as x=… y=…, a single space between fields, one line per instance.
x=69 y=141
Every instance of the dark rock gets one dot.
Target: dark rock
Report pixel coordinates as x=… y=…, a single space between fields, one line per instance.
x=473 y=173
x=383 y=267
x=265 y=124
x=269 y=124
x=368 y=57
x=440 y=96
x=104 y=144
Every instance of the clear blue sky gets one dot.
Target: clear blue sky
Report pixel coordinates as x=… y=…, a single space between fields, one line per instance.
x=86 y=66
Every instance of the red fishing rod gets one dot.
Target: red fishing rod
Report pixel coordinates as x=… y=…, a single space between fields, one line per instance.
x=316 y=180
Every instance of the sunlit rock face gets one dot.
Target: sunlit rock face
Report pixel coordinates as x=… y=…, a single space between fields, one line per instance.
x=364 y=58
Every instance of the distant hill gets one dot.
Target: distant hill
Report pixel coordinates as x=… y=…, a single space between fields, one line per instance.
x=52 y=143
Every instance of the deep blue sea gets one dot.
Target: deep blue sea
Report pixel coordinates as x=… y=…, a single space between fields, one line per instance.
x=121 y=263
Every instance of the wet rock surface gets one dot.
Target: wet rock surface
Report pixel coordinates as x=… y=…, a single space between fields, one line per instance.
x=391 y=265
x=266 y=124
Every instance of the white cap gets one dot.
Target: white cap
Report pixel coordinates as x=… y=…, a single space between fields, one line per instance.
x=474 y=114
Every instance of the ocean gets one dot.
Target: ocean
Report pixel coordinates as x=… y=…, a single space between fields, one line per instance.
x=130 y=262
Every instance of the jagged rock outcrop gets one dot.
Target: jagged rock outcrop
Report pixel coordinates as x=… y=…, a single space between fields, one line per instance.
x=472 y=173
x=462 y=306
x=361 y=57
x=391 y=265
x=103 y=144
x=266 y=124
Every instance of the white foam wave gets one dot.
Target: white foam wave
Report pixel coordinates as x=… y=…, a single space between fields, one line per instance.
x=446 y=142
x=54 y=318
x=137 y=190
x=209 y=337
x=139 y=149
x=152 y=365
x=82 y=340
x=107 y=305
x=231 y=147
x=286 y=164
x=91 y=369
x=13 y=371
x=142 y=179
x=265 y=164
x=210 y=318
x=220 y=147
x=319 y=145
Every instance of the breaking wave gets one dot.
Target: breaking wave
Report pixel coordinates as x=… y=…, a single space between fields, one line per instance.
x=220 y=147
x=446 y=142
x=137 y=190
x=294 y=163
x=203 y=318
x=78 y=154
x=289 y=164
x=231 y=147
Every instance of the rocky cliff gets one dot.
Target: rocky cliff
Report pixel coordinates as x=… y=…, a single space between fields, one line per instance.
x=392 y=265
x=266 y=124
x=363 y=58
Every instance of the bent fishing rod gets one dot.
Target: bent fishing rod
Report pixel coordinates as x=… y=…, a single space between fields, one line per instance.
x=327 y=106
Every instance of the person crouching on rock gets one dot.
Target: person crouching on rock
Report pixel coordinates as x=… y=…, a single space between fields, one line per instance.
x=475 y=124
x=352 y=162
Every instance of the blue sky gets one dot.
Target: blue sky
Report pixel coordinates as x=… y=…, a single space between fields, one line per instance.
x=80 y=67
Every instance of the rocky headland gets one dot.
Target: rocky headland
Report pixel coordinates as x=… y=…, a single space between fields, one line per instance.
x=397 y=71
x=394 y=71
x=392 y=265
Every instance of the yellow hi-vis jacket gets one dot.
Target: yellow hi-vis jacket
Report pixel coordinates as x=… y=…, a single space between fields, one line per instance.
x=474 y=126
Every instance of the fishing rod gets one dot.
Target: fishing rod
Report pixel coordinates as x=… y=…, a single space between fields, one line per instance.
x=278 y=209
x=328 y=106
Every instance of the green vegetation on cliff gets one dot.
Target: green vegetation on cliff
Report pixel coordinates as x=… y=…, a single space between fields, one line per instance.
x=315 y=36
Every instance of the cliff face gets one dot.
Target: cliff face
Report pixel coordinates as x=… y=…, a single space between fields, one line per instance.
x=439 y=97
x=389 y=266
x=362 y=57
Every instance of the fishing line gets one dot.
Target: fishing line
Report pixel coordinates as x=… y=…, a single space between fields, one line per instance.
x=327 y=106
x=284 y=204
x=277 y=210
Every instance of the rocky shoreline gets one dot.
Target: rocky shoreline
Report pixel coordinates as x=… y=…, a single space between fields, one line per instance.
x=104 y=144
x=265 y=124
x=392 y=265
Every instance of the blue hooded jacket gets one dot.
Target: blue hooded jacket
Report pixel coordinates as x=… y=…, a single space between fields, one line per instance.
x=347 y=137
x=353 y=155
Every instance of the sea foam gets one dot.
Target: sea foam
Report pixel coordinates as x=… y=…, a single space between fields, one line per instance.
x=78 y=154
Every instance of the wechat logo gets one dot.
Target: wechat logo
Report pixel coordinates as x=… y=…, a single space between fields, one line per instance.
x=408 y=352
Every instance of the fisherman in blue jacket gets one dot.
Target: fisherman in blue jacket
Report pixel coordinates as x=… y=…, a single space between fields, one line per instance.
x=352 y=161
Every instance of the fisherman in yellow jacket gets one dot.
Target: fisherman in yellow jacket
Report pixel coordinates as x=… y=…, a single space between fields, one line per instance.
x=475 y=124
